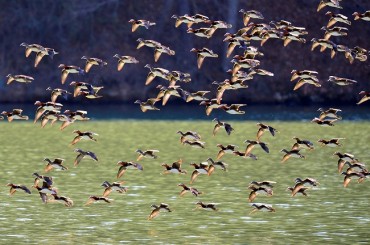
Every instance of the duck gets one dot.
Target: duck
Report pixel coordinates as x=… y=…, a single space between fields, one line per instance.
x=360 y=53
x=123 y=59
x=203 y=53
x=137 y=23
x=243 y=63
x=198 y=95
x=304 y=81
x=229 y=149
x=324 y=123
x=261 y=207
x=146 y=154
x=66 y=201
x=82 y=154
x=216 y=164
x=365 y=97
x=165 y=92
x=210 y=105
x=32 y=48
x=355 y=167
x=324 y=44
x=305 y=74
x=302 y=143
x=250 y=14
x=219 y=124
x=178 y=76
x=78 y=86
x=264 y=127
x=44 y=191
x=365 y=16
x=330 y=3
x=307 y=181
x=174 y=168
x=57 y=164
x=202 y=168
x=298 y=188
x=259 y=190
x=252 y=143
x=206 y=206
x=15 y=187
x=240 y=76
x=334 y=18
x=188 y=20
x=19 y=78
x=156 y=72
x=93 y=199
x=206 y=32
x=148 y=43
x=348 y=176
x=291 y=153
x=242 y=154
x=345 y=157
x=288 y=37
x=341 y=81
x=115 y=186
x=195 y=143
x=148 y=104
x=256 y=71
x=188 y=135
x=91 y=93
x=67 y=120
x=47 y=180
x=233 y=109
x=86 y=135
x=200 y=18
x=79 y=115
x=46 y=106
x=333 y=142
x=335 y=31
x=331 y=113
x=127 y=165
x=49 y=115
x=190 y=189
x=47 y=51
x=232 y=43
x=162 y=49
x=15 y=114
x=58 y=92
x=157 y=209
x=92 y=61
x=265 y=183
x=66 y=69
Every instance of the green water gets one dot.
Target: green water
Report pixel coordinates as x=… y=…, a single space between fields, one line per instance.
x=331 y=214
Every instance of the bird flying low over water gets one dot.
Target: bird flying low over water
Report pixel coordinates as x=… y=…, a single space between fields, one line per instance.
x=157 y=209
x=263 y=128
x=57 y=164
x=174 y=168
x=15 y=114
x=82 y=154
x=87 y=135
x=190 y=189
x=146 y=154
x=115 y=186
x=14 y=188
x=221 y=124
x=206 y=206
x=127 y=165
x=93 y=199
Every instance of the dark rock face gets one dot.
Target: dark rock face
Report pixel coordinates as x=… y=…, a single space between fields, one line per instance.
x=100 y=29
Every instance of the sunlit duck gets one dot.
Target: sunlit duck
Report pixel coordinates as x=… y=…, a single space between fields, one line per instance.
x=57 y=164
x=220 y=124
x=324 y=44
x=202 y=168
x=348 y=176
x=206 y=206
x=66 y=201
x=198 y=96
x=157 y=209
x=190 y=189
x=69 y=69
x=188 y=20
x=58 y=92
x=206 y=32
x=195 y=143
x=175 y=168
x=146 y=154
x=47 y=51
x=252 y=52
x=242 y=154
x=259 y=190
x=67 y=120
x=243 y=63
x=93 y=61
x=341 y=81
x=49 y=115
x=364 y=16
x=46 y=106
x=216 y=164
x=228 y=85
x=148 y=43
x=350 y=55
x=304 y=81
x=298 y=188
x=331 y=112
x=287 y=37
x=334 y=142
x=324 y=123
x=32 y=48
x=14 y=188
x=307 y=181
x=360 y=53
x=262 y=128
x=240 y=75
x=334 y=18
x=19 y=78
x=252 y=143
x=115 y=186
x=127 y=165
x=122 y=60
x=78 y=86
x=188 y=135
x=15 y=114
x=265 y=35
x=162 y=49
x=203 y=53
x=91 y=94
x=87 y=135
x=44 y=191
x=247 y=15
x=261 y=207
x=143 y=23
x=302 y=143
x=256 y=71
x=365 y=97
x=210 y=105
x=229 y=149
x=156 y=72
x=291 y=153
x=179 y=76
x=45 y=179
x=329 y=3
x=148 y=105
x=200 y=18
x=346 y=157
x=306 y=74
x=334 y=31
x=233 y=109
x=265 y=183
x=355 y=167
x=93 y=199
x=82 y=154
x=77 y=115
x=232 y=43
x=165 y=92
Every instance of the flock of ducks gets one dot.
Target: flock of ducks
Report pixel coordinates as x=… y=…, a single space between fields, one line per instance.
x=244 y=67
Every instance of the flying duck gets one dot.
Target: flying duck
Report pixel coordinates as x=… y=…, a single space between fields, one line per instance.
x=92 y=61
x=259 y=190
x=252 y=143
x=115 y=186
x=341 y=81
x=137 y=23
x=82 y=154
x=250 y=14
x=58 y=92
x=188 y=20
x=324 y=123
x=203 y=53
x=188 y=135
x=93 y=199
x=329 y=3
x=15 y=114
x=334 y=142
x=261 y=207
x=195 y=143
x=122 y=60
x=365 y=97
x=127 y=165
x=146 y=154
x=190 y=189
x=220 y=124
x=148 y=105
x=174 y=168
x=57 y=164
x=291 y=153
x=14 y=188
x=263 y=128
x=69 y=69
x=206 y=206
x=364 y=16
x=157 y=209
x=302 y=143
x=87 y=135
x=334 y=18
x=19 y=78
x=66 y=201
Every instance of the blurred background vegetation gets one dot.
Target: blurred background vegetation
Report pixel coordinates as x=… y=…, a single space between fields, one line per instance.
x=100 y=28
